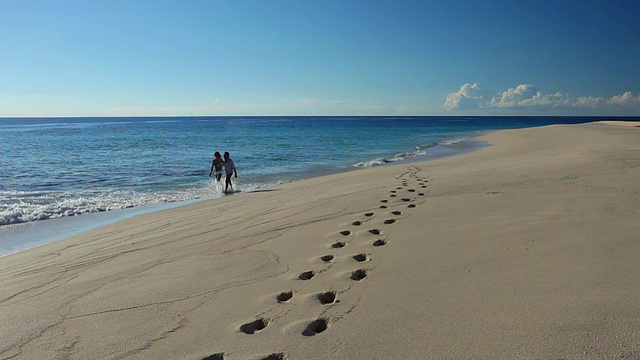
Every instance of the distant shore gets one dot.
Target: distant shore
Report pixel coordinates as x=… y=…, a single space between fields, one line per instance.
x=524 y=249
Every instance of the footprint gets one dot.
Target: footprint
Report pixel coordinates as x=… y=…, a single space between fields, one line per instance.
x=316 y=327
x=255 y=326
x=307 y=275
x=369 y=214
x=396 y=212
x=345 y=233
x=328 y=297
x=376 y=231
x=338 y=244
x=406 y=199
x=421 y=194
x=399 y=188
x=384 y=201
x=393 y=195
x=359 y=274
x=327 y=258
x=411 y=190
x=276 y=356
x=383 y=206
x=393 y=191
x=411 y=206
x=390 y=221
x=356 y=223
x=361 y=257
x=380 y=242
x=285 y=296
x=218 y=356
x=424 y=186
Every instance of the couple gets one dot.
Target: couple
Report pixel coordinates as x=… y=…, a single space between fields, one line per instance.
x=229 y=169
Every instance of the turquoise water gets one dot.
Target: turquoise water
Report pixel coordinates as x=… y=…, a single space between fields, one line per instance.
x=63 y=167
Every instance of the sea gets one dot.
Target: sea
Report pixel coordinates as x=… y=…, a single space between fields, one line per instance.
x=63 y=176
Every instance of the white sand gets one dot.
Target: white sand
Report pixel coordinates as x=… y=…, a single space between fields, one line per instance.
x=526 y=249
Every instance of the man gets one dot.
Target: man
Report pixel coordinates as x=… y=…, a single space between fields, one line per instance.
x=229 y=169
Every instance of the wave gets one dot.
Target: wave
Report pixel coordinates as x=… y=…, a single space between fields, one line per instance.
x=450 y=142
x=44 y=205
x=21 y=206
x=420 y=151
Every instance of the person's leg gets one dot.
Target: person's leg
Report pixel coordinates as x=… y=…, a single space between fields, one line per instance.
x=227 y=182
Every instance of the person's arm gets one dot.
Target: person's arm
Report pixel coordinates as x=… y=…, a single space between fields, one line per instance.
x=211 y=171
x=234 y=169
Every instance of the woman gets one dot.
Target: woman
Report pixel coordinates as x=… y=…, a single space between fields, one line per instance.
x=217 y=165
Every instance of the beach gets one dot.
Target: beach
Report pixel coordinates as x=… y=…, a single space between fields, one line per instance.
x=526 y=249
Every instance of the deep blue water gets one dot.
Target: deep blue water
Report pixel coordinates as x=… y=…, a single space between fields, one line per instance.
x=60 y=167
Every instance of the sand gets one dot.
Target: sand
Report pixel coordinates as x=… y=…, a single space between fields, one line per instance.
x=527 y=249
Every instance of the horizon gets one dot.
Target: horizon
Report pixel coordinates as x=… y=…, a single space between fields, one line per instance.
x=332 y=58
x=632 y=117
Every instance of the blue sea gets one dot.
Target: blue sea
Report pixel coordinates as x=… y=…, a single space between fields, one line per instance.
x=54 y=169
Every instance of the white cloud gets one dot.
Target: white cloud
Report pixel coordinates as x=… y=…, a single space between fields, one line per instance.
x=468 y=97
x=526 y=96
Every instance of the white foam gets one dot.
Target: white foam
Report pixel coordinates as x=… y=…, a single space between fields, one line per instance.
x=451 y=141
x=45 y=205
x=395 y=158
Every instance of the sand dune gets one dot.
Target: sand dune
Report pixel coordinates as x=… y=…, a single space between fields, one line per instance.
x=526 y=249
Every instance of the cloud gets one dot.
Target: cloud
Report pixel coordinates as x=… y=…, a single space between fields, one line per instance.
x=526 y=96
x=469 y=97
x=214 y=105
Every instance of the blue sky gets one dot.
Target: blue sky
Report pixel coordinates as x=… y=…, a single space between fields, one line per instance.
x=342 y=57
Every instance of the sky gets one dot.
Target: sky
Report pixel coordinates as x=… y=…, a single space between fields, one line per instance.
x=319 y=57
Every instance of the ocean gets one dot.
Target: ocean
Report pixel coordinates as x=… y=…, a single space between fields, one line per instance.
x=54 y=169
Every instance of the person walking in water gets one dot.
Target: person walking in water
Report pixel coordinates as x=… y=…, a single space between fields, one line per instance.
x=216 y=165
x=229 y=169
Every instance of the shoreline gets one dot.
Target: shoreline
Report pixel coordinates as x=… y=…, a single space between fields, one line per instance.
x=19 y=237
x=524 y=249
